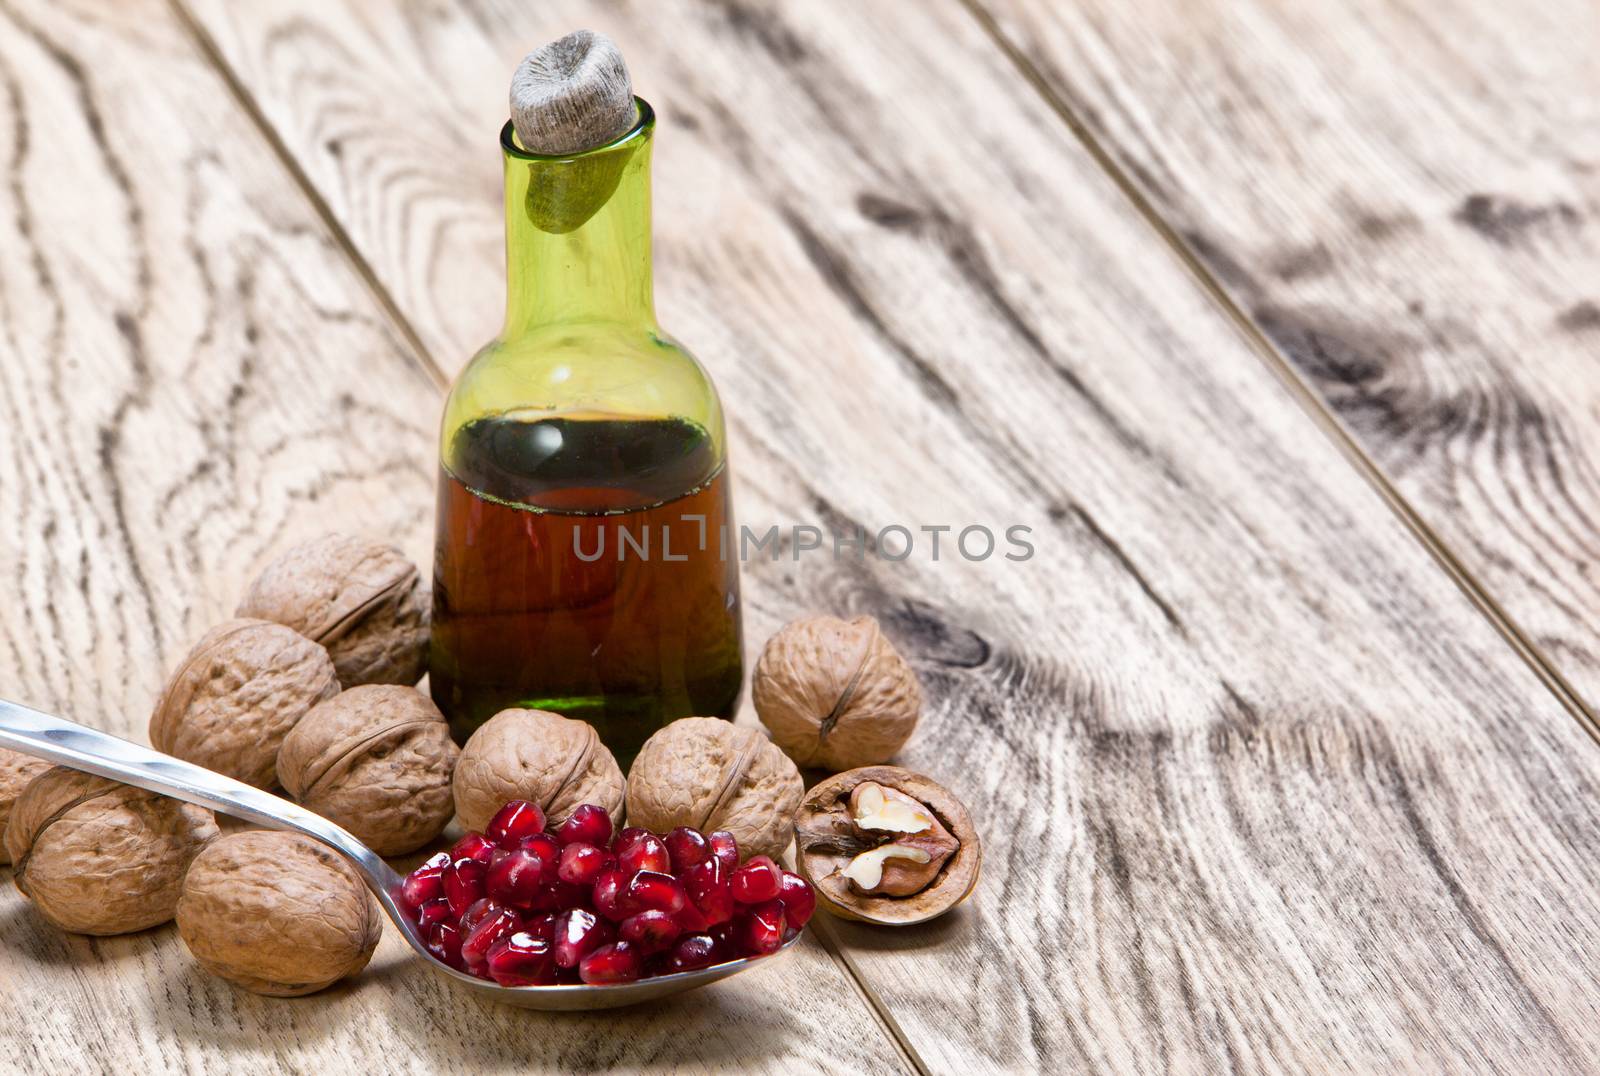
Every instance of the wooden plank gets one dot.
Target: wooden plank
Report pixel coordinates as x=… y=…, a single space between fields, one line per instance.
x=1401 y=196
x=1260 y=789
x=191 y=377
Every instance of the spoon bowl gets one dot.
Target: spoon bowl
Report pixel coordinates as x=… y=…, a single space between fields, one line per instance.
x=92 y=751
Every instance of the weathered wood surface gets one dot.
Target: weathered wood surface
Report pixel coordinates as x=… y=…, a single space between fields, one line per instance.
x=1402 y=196
x=1260 y=787
x=191 y=375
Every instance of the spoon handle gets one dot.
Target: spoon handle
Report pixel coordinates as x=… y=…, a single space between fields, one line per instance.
x=92 y=751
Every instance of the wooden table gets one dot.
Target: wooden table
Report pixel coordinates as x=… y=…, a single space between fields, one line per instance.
x=1277 y=323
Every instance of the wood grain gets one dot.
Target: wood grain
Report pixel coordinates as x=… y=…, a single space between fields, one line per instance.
x=1260 y=788
x=191 y=377
x=1402 y=197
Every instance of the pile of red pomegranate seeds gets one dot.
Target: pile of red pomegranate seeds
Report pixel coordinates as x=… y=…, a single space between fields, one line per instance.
x=526 y=906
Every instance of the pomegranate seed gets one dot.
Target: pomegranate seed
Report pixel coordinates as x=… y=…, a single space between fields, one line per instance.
x=563 y=895
x=577 y=933
x=478 y=910
x=581 y=863
x=424 y=884
x=513 y=822
x=724 y=935
x=521 y=959
x=485 y=932
x=444 y=943
x=651 y=889
x=687 y=847
x=691 y=920
x=589 y=824
x=627 y=837
x=548 y=849
x=757 y=881
x=434 y=911
x=614 y=963
x=472 y=846
x=651 y=931
x=799 y=901
x=647 y=853
x=760 y=930
x=516 y=879
x=541 y=901
x=693 y=951
x=725 y=848
x=611 y=897
x=541 y=926
x=576 y=895
x=710 y=891
x=463 y=883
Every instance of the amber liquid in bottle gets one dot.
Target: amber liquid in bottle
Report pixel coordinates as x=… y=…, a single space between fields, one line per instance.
x=579 y=568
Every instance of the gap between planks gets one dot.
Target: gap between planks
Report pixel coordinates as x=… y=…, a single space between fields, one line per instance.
x=418 y=353
x=1330 y=424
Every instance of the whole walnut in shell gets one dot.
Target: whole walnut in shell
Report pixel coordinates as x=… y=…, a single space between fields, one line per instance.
x=98 y=857
x=535 y=755
x=16 y=770
x=836 y=694
x=277 y=913
x=376 y=759
x=236 y=696
x=360 y=598
x=710 y=774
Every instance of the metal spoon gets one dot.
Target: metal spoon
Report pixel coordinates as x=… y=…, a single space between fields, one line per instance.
x=93 y=751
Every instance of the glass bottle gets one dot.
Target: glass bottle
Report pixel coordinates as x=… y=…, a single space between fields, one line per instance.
x=583 y=561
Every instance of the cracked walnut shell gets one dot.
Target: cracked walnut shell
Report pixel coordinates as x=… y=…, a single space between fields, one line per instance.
x=361 y=599
x=236 y=696
x=885 y=845
x=835 y=694
x=277 y=913
x=711 y=774
x=98 y=857
x=534 y=755
x=376 y=759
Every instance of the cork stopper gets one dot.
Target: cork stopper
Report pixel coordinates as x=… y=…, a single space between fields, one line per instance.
x=572 y=95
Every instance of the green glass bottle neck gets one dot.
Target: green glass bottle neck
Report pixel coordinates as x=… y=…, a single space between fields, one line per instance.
x=578 y=235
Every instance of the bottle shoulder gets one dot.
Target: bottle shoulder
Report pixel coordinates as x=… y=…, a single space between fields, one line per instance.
x=636 y=371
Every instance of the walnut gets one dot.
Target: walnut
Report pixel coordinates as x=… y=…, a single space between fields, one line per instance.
x=376 y=759
x=16 y=770
x=534 y=755
x=360 y=598
x=885 y=845
x=835 y=694
x=236 y=696
x=710 y=774
x=98 y=857
x=277 y=913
